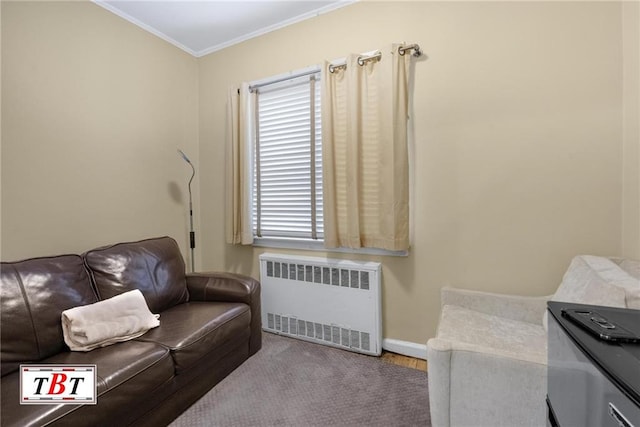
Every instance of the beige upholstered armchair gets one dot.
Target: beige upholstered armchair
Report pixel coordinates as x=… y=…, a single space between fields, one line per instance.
x=488 y=362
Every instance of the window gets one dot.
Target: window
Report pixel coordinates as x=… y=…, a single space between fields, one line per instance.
x=287 y=158
x=278 y=160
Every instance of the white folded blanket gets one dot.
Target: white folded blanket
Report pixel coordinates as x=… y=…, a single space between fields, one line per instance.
x=116 y=319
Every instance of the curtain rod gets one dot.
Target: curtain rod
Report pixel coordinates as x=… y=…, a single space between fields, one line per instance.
x=362 y=60
x=415 y=47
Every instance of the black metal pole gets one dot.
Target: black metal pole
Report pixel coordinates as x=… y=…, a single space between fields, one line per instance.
x=192 y=234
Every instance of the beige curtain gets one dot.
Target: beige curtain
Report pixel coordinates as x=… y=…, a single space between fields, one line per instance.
x=365 y=158
x=238 y=164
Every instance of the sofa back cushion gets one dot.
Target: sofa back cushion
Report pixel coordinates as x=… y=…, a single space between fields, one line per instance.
x=34 y=293
x=154 y=266
x=598 y=281
x=632 y=267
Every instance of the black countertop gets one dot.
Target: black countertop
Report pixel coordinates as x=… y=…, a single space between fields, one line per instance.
x=620 y=362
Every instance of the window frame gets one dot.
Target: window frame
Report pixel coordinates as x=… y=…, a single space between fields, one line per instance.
x=307 y=244
x=309 y=78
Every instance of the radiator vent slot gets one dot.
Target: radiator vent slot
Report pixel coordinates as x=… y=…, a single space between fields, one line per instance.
x=347 y=338
x=358 y=279
x=328 y=301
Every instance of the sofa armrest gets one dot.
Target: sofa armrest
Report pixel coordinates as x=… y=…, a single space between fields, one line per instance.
x=474 y=385
x=439 y=372
x=514 y=307
x=230 y=287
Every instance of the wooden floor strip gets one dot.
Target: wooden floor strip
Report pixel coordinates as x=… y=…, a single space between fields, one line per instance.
x=406 y=361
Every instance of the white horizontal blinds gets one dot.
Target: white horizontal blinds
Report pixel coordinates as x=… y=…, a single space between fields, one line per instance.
x=288 y=164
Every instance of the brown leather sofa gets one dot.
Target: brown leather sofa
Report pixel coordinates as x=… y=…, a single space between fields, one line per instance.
x=209 y=325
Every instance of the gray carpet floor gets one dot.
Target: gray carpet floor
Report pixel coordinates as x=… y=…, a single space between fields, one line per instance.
x=291 y=382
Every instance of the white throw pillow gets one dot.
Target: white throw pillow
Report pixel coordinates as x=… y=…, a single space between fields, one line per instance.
x=596 y=281
x=593 y=280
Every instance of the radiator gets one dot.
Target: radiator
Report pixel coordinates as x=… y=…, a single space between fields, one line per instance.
x=327 y=301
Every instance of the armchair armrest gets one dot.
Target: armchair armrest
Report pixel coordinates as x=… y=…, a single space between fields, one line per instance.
x=230 y=287
x=474 y=385
x=521 y=308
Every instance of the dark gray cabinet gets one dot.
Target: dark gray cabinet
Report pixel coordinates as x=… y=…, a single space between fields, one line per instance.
x=592 y=382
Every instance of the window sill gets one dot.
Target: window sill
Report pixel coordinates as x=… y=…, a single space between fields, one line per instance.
x=318 y=246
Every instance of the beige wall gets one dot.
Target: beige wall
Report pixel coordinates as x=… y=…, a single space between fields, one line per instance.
x=518 y=141
x=93 y=109
x=631 y=130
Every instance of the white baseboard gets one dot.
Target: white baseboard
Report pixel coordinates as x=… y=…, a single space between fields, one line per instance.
x=406 y=348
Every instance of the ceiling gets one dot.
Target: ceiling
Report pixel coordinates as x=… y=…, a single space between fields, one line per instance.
x=205 y=26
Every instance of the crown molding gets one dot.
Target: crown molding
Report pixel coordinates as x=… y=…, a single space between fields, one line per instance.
x=220 y=46
x=274 y=27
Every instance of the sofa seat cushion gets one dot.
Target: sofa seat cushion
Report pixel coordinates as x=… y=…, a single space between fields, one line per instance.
x=195 y=329
x=486 y=333
x=125 y=369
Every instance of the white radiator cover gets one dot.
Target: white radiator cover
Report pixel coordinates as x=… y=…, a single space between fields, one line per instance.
x=329 y=301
